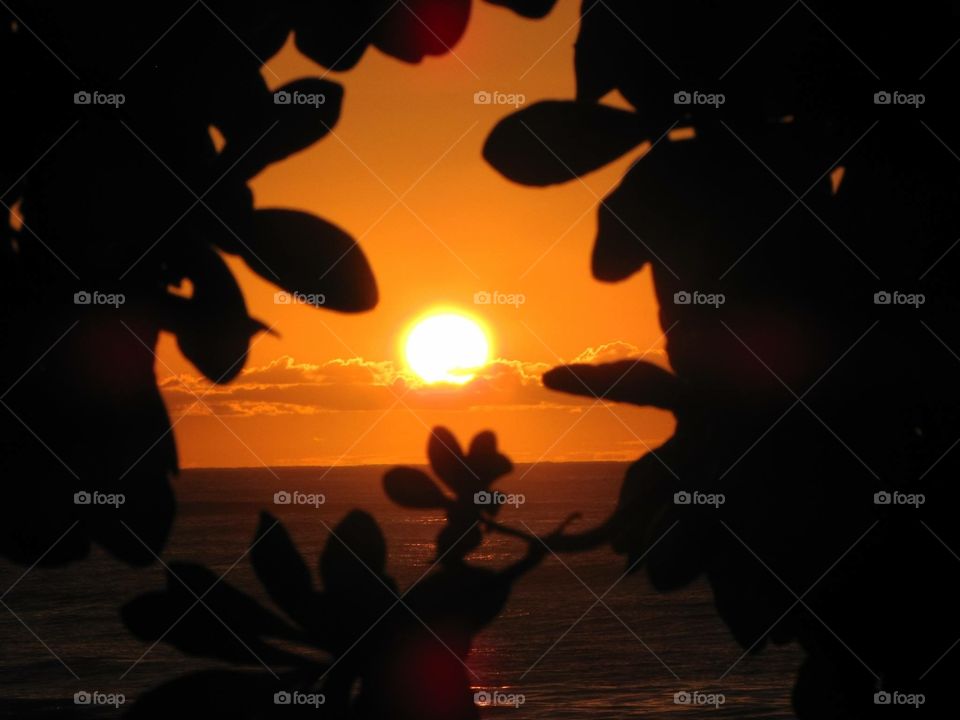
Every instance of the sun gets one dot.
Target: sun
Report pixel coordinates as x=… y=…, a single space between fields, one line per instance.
x=447 y=347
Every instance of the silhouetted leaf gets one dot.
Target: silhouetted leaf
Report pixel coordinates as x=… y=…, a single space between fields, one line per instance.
x=336 y=40
x=227 y=624
x=556 y=141
x=213 y=329
x=292 y=119
x=357 y=591
x=597 y=67
x=646 y=498
x=623 y=228
x=227 y=602
x=283 y=572
x=232 y=629
x=527 y=8
x=306 y=255
x=355 y=553
x=633 y=381
x=448 y=462
x=412 y=488
x=485 y=460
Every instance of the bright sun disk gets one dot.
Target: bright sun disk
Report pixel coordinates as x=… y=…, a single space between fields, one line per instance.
x=447 y=347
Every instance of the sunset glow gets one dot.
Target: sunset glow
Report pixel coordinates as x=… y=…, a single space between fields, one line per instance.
x=430 y=254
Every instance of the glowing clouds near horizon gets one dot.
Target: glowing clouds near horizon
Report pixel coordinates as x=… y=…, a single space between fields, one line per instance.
x=447 y=348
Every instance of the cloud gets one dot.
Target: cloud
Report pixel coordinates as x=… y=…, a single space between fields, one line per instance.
x=620 y=350
x=287 y=387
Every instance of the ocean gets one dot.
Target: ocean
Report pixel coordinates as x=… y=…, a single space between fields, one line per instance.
x=627 y=660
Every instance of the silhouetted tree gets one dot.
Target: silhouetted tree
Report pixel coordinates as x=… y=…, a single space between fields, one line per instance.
x=115 y=192
x=377 y=652
x=815 y=179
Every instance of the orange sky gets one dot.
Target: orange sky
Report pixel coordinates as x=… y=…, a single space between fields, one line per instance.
x=332 y=388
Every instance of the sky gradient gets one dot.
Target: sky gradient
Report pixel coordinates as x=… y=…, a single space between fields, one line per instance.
x=403 y=173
